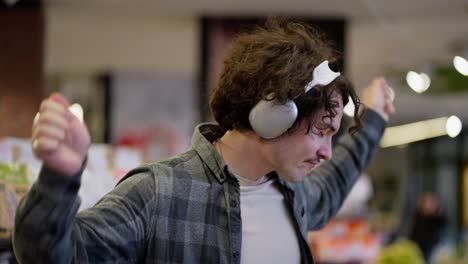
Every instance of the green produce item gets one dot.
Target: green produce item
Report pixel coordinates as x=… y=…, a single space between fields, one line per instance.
x=401 y=252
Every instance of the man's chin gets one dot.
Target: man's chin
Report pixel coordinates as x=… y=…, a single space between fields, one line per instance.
x=294 y=176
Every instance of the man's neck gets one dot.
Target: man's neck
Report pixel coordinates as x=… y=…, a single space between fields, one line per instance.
x=241 y=151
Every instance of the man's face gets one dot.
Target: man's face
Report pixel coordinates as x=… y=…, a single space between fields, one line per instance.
x=294 y=155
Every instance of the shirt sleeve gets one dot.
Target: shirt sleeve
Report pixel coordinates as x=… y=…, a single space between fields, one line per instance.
x=48 y=229
x=328 y=185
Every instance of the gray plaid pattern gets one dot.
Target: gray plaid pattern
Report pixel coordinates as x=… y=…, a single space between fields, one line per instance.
x=183 y=210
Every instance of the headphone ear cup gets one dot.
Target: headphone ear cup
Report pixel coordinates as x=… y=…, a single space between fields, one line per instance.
x=269 y=119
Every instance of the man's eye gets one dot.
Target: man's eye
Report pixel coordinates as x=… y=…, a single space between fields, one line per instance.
x=318 y=132
x=321 y=133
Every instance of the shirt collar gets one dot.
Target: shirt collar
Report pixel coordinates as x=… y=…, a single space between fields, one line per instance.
x=202 y=142
x=285 y=184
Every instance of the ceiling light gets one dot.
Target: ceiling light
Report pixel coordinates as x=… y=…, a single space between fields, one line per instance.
x=461 y=65
x=412 y=132
x=453 y=126
x=418 y=82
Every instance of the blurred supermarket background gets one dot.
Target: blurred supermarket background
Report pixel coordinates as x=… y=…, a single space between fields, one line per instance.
x=140 y=73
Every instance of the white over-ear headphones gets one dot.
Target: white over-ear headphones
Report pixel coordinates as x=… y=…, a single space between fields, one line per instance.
x=270 y=119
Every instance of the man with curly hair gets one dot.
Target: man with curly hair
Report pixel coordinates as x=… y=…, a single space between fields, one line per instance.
x=247 y=191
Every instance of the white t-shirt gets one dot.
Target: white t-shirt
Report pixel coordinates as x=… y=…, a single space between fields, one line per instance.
x=268 y=234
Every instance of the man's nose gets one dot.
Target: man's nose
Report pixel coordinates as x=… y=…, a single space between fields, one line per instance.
x=325 y=150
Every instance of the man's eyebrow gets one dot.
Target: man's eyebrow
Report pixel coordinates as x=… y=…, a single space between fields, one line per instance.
x=329 y=127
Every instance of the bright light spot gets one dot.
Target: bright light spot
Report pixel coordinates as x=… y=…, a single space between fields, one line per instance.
x=412 y=132
x=418 y=82
x=77 y=110
x=426 y=79
x=349 y=108
x=461 y=65
x=414 y=80
x=453 y=126
x=36 y=118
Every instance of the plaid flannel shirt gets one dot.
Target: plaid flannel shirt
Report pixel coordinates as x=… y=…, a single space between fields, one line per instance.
x=182 y=210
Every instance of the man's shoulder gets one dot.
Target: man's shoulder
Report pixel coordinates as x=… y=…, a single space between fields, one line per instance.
x=184 y=177
x=180 y=161
x=184 y=166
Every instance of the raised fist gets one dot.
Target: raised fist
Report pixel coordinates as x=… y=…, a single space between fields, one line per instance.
x=59 y=138
x=378 y=96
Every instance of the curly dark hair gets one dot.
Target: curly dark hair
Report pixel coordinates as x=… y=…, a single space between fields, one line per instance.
x=277 y=58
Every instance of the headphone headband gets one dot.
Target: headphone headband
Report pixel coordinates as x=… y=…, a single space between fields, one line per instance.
x=322 y=75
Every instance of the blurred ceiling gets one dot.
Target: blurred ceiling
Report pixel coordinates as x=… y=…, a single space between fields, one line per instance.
x=347 y=8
